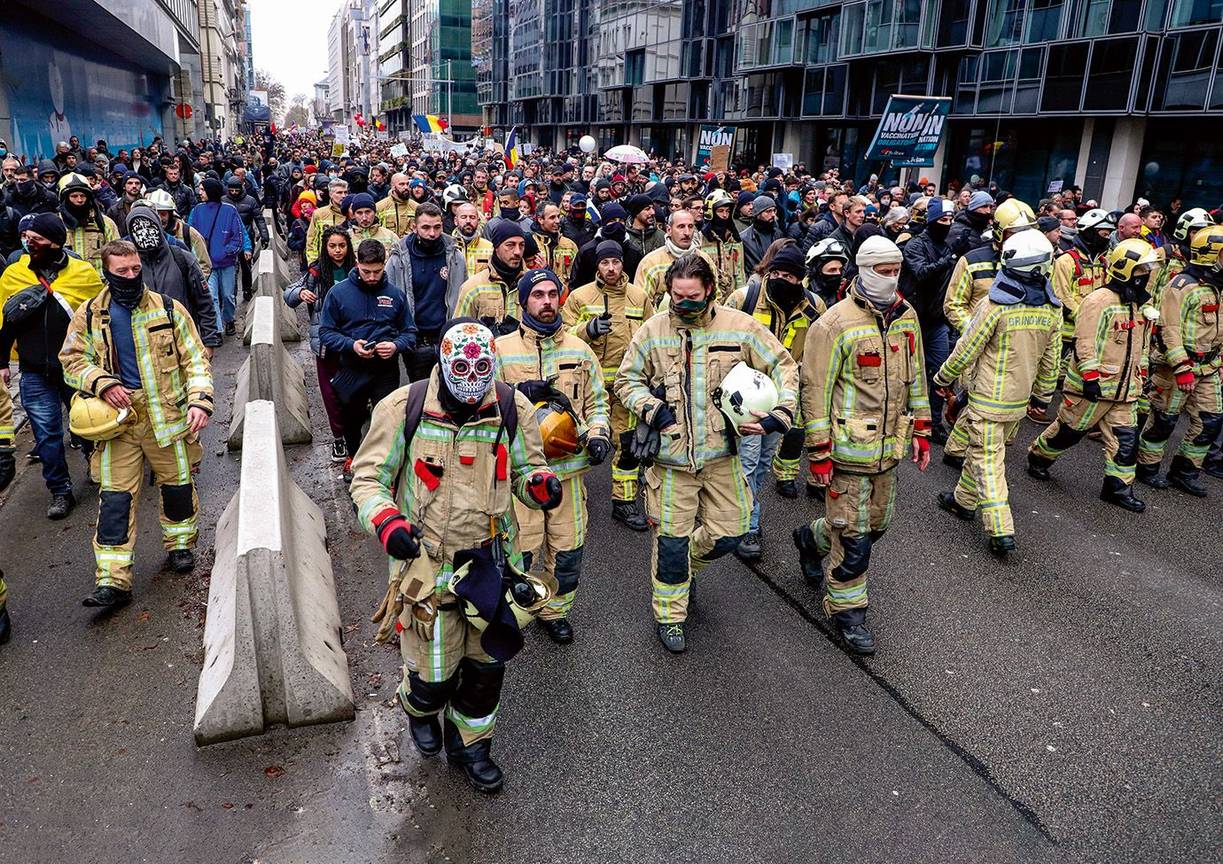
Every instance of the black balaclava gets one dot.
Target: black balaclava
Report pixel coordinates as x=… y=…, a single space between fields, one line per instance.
x=125 y=290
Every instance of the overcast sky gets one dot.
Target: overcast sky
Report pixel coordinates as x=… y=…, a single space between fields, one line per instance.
x=289 y=39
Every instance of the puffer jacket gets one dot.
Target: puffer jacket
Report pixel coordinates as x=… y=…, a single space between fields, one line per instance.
x=457 y=509
x=689 y=361
x=251 y=213
x=923 y=279
x=1188 y=334
x=864 y=386
x=1015 y=348
x=629 y=308
x=174 y=372
x=529 y=356
x=1111 y=339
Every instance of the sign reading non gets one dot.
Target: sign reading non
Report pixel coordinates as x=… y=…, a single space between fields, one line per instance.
x=711 y=137
x=910 y=130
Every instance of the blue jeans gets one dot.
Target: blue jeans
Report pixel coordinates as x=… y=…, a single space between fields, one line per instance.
x=756 y=454
x=42 y=397
x=936 y=339
x=221 y=285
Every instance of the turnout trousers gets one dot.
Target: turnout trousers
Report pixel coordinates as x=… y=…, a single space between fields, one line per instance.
x=557 y=537
x=119 y=466
x=857 y=511
x=1117 y=422
x=697 y=517
x=624 y=467
x=1168 y=402
x=982 y=485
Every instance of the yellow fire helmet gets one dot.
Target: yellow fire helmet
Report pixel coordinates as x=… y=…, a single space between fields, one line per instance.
x=1207 y=246
x=1012 y=215
x=715 y=199
x=559 y=429
x=95 y=419
x=526 y=595
x=1130 y=258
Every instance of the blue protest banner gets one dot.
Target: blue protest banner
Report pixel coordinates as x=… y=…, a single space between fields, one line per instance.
x=910 y=130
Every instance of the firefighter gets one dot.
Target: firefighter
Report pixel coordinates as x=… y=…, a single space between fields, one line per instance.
x=863 y=399
x=787 y=308
x=433 y=482
x=967 y=289
x=365 y=225
x=826 y=262
x=397 y=211
x=667 y=379
x=720 y=241
x=680 y=239
x=606 y=314
x=560 y=374
x=165 y=393
x=467 y=232
x=1081 y=269
x=1012 y=345
x=1108 y=367
x=491 y=295
x=560 y=253
x=1185 y=363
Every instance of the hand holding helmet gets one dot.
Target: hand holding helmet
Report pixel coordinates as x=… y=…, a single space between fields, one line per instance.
x=545 y=489
x=597 y=449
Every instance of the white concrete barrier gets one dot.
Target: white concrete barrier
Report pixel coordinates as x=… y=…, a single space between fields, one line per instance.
x=270 y=374
x=268 y=285
x=273 y=652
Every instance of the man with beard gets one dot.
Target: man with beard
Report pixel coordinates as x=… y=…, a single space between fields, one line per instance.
x=720 y=242
x=397 y=210
x=575 y=225
x=378 y=186
x=762 y=233
x=553 y=367
x=364 y=224
x=559 y=252
x=476 y=248
x=183 y=197
x=52 y=284
x=611 y=227
x=169 y=393
x=430 y=268
x=643 y=235
x=170 y=269
x=679 y=240
x=133 y=191
x=26 y=195
x=491 y=295
x=480 y=194
x=88 y=229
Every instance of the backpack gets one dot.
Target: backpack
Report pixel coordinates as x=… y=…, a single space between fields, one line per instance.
x=414 y=408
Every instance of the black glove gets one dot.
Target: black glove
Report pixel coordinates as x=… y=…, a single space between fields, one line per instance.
x=771 y=424
x=400 y=538
x=645 y=444
x=596 y=328
x=508 y=325
x=535 y=391
x=1091 y=390
x=662 y=418
x=597 y=450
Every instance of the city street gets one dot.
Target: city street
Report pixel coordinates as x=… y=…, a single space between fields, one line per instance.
x=1062 y=707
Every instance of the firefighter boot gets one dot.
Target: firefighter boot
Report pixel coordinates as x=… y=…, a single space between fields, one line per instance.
x=629 y=514
x=1116 y=491
x=1149 y=474
x=809 y=558
x=1184 y=476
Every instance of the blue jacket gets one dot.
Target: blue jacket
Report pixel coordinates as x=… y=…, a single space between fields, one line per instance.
x=221 y=227
x=352 y=311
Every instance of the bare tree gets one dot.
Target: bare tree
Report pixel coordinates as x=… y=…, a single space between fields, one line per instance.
x=297 y=112
x=264 y=80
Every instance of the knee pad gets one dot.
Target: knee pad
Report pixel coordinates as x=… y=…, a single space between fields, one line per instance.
x=429 y=697
x=857 y=556
x=723 y=546
x=113 y=511
x=568 y=568
x=1127 y=446
x=792 y=444
x=1211 y=424
x=176 y=502
x=625 y=460
x=479 y=687
x=1161 y=426
x=1065 y=438
x=672 y=560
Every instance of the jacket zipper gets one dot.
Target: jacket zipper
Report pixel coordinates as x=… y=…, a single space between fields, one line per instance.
x=883 y=420
x=688 y=398
x=1129 y=345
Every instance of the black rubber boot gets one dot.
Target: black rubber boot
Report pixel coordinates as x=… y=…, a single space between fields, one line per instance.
x=106 y=597
x=672 y=637
x=1213 y=467
x=559 y=630
x=1148 y=475
x=1002 y=546
x=787 y=488
x=1038 y=467
x=1184 y=476
x=181 y=560
x=749 y=548
x=852 y=628
x=475 y=760
x=8 y=468
x=946 y=501
x=630 y=515
x=6 y=626
x=809 y=559
x=426 y=734
x=1115 y=491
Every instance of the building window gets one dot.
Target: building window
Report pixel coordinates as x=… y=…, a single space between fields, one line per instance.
x=953 y=23
x=634 y=67
x=783 y=42
x=1005 y=22
x=851 y=28
x=1157 y=11
x=1027 y=88
x=997 y=73
x=1186 y=13
x=1093 y=18
x=1064 y=77
x=1112 y=74
x=1184 y=71
x=1125 y=16
x=818 y=38
x=813 y=92
x=966 y=86
x=1044 y=21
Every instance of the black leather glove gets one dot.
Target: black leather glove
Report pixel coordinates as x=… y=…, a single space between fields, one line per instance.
x=645 y=444
x=535 y=391
x=508 y=325
x=770 y=424
x=596 y=328
x=1091 y=390
x=597 y=450
x=662 y=418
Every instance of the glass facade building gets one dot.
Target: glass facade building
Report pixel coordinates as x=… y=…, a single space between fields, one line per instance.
x=1121 y=97
x=426 y=63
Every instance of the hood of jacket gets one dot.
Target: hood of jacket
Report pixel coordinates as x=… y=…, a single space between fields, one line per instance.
x=1007 y=290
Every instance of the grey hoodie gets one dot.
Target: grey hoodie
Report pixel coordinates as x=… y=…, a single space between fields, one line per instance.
x=170 y=269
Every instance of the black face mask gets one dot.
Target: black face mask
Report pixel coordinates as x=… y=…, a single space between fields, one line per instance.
x=25 y=188
x=235 y=194
x=1093 y=240
x=979 y=221
x=146 y=236
x=829 y=284
x=79 y=211
x=1135 y=290
x=937 y=231
x=429 y=247
x=614 y=231
x=510 y=213
x=784 y=293
x=125 y=290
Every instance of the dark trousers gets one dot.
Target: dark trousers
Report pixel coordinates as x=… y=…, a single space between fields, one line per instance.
x=245 y=267
x=355 y=412
x=936 y=341
x=419 y=362
x=328 y=365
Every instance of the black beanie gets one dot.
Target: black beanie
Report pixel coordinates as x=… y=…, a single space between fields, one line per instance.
x=50 y=226
x=213 y=190
x=608 y=249
x=504 y=230
x=789 y=260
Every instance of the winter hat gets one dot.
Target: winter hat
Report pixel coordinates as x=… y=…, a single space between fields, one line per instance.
x=1047 y=223
x=233 y=182
x=789 y=260
x=213 y=190
x=636 y=204
x=577 y=199
x=611 y=210
x=938 y=208
x=50 y=226
x=745 y=197
x=980 y=199
x=503 y=230
x=761 y=203
x=360 y=201
x=608 y=249
x=307 y=196
x=877 y=250
x=532 y=278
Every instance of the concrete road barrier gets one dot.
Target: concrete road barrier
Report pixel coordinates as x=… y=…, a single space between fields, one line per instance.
x=273 y=652
x=270 y=374
x=268 y=285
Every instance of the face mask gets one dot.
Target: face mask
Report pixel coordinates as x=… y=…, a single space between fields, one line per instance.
x=25 y=187
x=429 y=247
x=784 y=292
x=762 y=225
x=830 y=284
x=979 y=221
x=1093 y=240
x=690 y=310
x=937 y=231
x=125 y=290
x=145 y=235
x=510 y=213
x=614 y=231
x=880 y=290
x=235 y=194
x=466 y=361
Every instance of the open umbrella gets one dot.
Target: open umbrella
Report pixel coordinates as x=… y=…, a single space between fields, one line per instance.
x=628 y=154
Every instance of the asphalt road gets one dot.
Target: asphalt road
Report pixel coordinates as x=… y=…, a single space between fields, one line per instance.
x=1061 y=707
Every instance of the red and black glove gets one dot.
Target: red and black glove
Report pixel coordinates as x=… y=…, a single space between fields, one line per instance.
x=399 y=537
x=545 y=489
x=821 y=467
x=1091 y=386
x=1185 y=379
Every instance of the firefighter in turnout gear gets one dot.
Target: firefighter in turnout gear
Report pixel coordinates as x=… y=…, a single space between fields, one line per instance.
x=606 y=314
x=559 y=251
x=476 y=248
x=1185 y=361
x=669 y=375
x=1081 y=270
x=433 y=481
x=1013 y=344
x=787 y=309
x=491 y=295
x=863 y=399
x=1108 y=368
x=679 y=240
x=967 y=289
x=140 y=353
x=720 y=241
x=558 y=372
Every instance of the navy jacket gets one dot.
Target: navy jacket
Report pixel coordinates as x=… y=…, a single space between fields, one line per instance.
x=353 y=310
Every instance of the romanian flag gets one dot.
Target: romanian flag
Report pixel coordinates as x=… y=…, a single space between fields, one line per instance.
x=428 y=123
x=511 y=149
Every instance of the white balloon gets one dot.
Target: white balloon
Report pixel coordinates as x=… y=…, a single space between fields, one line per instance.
x=587 y=144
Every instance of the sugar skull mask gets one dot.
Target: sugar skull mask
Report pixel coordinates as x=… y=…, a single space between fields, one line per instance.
x=467 y=364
